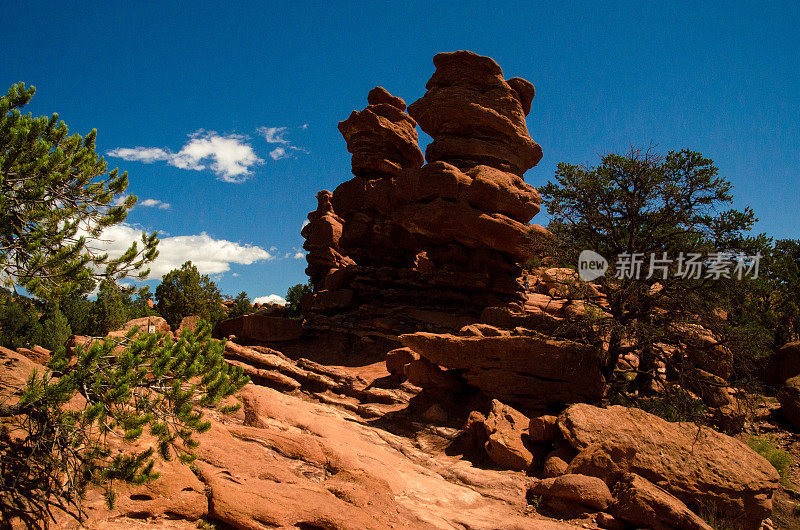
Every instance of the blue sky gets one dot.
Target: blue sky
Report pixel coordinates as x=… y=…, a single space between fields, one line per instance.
x=191 y=82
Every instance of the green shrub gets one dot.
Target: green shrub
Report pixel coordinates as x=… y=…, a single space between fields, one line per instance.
x=767 y=447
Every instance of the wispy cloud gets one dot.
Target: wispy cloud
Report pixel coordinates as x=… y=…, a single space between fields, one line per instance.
x=296 y=253
x=149 y=203
x=209 y=255
x=274 y=135
x=154 y=203
x=229 y=156
x=278 y=153
x=277 y=135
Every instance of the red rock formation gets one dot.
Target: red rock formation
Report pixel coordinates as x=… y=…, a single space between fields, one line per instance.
x=403 y=247
x=474 y=116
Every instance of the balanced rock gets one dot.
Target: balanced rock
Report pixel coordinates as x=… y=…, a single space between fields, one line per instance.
x=474 y=116
x=382 y=138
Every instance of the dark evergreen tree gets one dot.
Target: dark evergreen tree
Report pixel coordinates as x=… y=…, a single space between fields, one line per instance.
x=112 y=307
x=648 y=205
x=184 y=292
x=141 y=304
x=242 y=306
x=55 y=330
x=19 y=321
x=294 y=299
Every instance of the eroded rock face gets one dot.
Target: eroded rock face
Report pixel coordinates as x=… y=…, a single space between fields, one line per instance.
x=701 y=467
x=528 y=370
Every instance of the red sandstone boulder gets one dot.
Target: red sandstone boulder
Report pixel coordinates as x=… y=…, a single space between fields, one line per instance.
x=588 y=491
x=145 y=325
x=507 y=430
x=603 y=460
x=397 y=359
x=784 y=364
x=543 y=429
x=188 y=323
x=640 y=502
x=699 y=466
x=36 y=354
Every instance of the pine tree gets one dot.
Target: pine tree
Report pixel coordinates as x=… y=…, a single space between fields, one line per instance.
x=50 y=454
x=56 y=197
x=294 y=299
x=242 y=306
x=55 y=330
x=643 y=204
x=112 y=307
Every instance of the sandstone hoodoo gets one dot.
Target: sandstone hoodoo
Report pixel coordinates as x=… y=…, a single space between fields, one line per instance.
x=405 y=247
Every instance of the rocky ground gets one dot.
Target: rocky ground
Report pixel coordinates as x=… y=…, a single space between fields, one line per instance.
x=317 y=446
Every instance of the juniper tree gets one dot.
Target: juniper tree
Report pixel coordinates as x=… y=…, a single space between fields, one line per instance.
x=644 y=204
x=56 y=198
x=50 y=453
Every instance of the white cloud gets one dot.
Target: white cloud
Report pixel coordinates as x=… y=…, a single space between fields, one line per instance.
x=155 y=203
x=229 y=156
x=270 y=299
x=296 y=253
x=278 y=153
x=209 y=255
x=305 y=222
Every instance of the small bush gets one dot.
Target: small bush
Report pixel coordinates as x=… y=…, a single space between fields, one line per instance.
x=781 y=460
